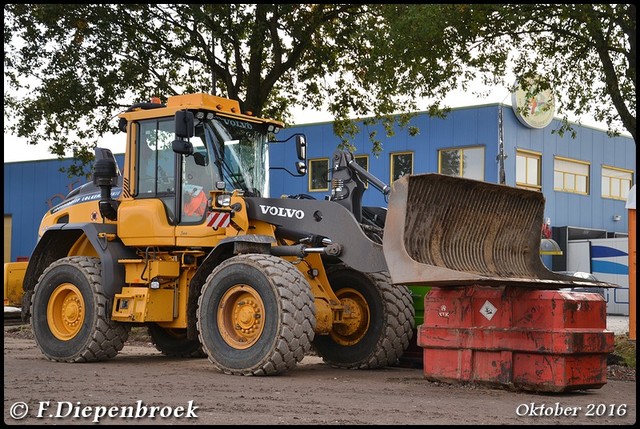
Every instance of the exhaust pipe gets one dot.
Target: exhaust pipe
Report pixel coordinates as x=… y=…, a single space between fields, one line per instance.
x=105 y=176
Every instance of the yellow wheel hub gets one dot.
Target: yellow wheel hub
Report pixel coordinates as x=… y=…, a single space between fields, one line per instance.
x=65 y=312
x=356 y=318
x=240 y=316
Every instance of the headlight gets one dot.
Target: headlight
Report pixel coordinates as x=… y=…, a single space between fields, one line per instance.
x=223 y=200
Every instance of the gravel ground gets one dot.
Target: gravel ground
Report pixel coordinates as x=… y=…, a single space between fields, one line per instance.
x=39 y=392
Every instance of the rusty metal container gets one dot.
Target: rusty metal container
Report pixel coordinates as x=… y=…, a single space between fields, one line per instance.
x=514 y=337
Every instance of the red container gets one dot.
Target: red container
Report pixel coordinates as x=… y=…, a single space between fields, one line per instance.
x=537 y=340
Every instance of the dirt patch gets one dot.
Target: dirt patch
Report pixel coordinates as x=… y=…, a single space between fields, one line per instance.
x=139 y=378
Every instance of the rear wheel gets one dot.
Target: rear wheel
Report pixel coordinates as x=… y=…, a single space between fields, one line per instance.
x=378 y=316
x=174 y=342
x=70 y=313
x=256 y=315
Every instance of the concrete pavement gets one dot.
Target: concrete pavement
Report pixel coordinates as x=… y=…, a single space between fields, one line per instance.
x=618 y=324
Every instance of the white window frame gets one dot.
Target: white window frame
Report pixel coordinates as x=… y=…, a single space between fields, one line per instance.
x=461 y=150
x=569 y=173
x=616 y=182
x=529 y=156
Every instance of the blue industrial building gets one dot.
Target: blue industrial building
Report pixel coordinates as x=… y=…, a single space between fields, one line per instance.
x=585 y=180
x=476 y=129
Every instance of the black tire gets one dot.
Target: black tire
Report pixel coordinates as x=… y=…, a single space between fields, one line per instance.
x=256 y=315
x=382 y=326
x=174 y=342
x=70 y=314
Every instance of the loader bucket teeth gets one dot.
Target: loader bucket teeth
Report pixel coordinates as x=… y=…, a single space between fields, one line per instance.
x=449 y=231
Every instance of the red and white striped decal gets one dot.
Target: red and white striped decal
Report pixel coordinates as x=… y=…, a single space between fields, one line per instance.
x=218 y=219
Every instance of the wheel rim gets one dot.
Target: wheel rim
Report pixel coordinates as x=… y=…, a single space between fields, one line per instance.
x=240 y=316
x=65 y=311
x=355 y=318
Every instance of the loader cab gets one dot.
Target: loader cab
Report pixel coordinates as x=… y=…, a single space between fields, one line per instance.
x=195 y=145
x=191 y=154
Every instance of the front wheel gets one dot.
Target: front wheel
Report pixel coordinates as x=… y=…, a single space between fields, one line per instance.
x=377 y=321
x=256 y=315
x=70 y=313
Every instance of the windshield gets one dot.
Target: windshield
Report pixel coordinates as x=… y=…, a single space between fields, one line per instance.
x=241 y=156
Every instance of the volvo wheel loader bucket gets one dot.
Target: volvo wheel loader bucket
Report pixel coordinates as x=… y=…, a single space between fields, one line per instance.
x=449 y=231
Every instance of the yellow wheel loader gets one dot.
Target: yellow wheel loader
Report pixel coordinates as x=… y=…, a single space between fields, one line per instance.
x=186 y=241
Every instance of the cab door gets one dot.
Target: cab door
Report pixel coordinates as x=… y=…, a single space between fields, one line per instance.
x=149 y=218
x=199 y=174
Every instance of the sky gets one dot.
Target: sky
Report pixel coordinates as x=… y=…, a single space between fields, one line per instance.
x=16 y=149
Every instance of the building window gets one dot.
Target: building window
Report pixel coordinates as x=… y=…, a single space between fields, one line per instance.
x=528 y=170
x=570 y=176
x=616 y=183
x=319 y=174
x=464 y=162
x=401 y=165
x=363 y=161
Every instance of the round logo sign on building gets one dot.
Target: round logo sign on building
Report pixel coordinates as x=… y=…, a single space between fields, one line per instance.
x=535 y=111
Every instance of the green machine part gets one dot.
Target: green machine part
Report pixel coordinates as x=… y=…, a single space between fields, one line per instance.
x=418 y=293
x=413 y=356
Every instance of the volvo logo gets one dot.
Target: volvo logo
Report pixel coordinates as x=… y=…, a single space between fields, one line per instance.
x=281 y=211
x=237 y=124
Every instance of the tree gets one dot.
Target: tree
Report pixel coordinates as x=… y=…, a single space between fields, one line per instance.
x=76 y=66
x=586 y=53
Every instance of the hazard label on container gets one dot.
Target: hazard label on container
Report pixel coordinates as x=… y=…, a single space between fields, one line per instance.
x=218 y=219
x=488 y=310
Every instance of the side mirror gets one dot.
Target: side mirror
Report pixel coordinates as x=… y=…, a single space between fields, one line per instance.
x=301 y=167
x=122 y=125
x=301 y=147
x=183 y=147
x=301 y=152
x=184 y=128
x=184 y=123
x=201 y=158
